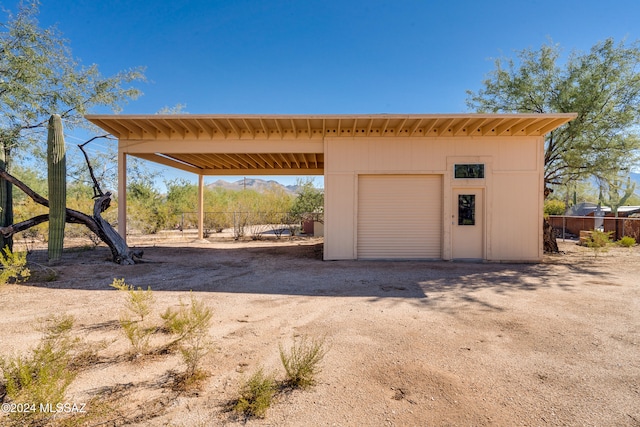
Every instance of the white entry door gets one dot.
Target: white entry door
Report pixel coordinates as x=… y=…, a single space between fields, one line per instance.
x=468 y=224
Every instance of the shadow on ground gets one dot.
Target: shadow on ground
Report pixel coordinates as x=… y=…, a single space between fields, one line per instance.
x=299 y=270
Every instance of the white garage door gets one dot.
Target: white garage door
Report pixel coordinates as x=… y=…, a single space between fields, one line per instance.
x=399 y=216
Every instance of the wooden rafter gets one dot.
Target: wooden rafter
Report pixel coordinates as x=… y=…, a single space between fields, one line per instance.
x=431 y=124
x=255 y=159
x=220 y=128
x=221 y=162
x=134 y=128
x=204 y=127
x=292 y=159
x=550 y=126
x=384 y=127
x=190 y=125
x=505 y=127
x=117 y=128
x=274 y=161
x=279 y=128
x=488 y=127
x=267 y=163
x=149 y=128
x=476 y=126
x=520 y=126
x=285 y=160
x=444 y=126
x=460 y=127
x=208 y=159
x=250 y=128
x=415 y=127
x=175 y=128
x=400 y=127
x=264 y=128
x=234 y=127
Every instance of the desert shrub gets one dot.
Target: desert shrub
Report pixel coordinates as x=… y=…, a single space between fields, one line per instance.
x=276 y=221
x=257 y=224
x=256 y=395
x=139 y=303
x=240 y=222
x=138 y=334
x=27 y=208
x=43 y=376
x=302 y=361
x=14 y=267
x=627 y=241
x=217 y=221
x=554 y=207
x=598 y=241
x=190 y=324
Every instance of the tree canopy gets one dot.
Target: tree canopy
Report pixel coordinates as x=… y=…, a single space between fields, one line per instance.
x=40 y=77
x=310 y=199
x=602 y=86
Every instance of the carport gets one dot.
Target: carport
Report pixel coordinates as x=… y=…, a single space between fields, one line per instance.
x=419 y=186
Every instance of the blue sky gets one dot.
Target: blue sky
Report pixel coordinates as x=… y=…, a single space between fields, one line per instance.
x=322 y=57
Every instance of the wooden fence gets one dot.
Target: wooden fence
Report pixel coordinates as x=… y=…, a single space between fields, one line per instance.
x=570 y=226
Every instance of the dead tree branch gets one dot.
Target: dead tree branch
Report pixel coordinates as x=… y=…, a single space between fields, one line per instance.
x=120 y=252
x=97 y=191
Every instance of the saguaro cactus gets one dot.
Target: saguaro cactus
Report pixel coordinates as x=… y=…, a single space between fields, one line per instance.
x=57 y=173
x=6 y=203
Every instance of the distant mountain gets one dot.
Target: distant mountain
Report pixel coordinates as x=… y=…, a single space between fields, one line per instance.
x=259 y=185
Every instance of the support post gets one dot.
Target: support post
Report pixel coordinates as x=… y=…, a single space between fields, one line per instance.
x=200 y=207
x=122 y=194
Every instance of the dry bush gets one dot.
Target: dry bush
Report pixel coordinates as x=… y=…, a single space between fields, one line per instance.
x=190 y=324
x=627 y=242
x=302 y=361
x=14 y=267
x=256 y=395
x=598 y=241
x=42 y=377
x=138 y=302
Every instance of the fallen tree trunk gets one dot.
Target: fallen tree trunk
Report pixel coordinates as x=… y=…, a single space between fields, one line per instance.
x=121 y=254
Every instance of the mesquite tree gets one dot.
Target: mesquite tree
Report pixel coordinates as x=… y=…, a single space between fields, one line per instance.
x=602 y=86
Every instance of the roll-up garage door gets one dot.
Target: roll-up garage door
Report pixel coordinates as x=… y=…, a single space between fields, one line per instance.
x=399 y=216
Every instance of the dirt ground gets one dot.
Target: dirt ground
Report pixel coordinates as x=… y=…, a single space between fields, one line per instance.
x=410 y=343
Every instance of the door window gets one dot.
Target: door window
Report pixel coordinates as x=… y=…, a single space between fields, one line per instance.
x=467 y=209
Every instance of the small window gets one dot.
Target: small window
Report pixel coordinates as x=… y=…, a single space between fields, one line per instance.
x=467 y=209
x=469 y=171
